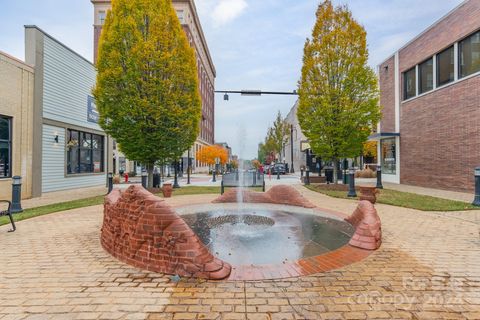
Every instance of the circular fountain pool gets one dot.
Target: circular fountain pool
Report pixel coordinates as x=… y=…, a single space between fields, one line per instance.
x=267 y=235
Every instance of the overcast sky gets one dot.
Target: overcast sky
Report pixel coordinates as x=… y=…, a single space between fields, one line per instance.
x=255 y=44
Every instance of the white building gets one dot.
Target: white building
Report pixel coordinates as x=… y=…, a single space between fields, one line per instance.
x=69 y=147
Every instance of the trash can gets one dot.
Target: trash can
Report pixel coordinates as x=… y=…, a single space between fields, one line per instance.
x=329 y=174
x=156 y=180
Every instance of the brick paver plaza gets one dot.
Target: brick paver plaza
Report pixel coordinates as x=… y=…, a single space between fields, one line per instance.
x=428 y=267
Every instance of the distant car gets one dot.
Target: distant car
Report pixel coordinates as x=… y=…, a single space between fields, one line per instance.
x=279 y=168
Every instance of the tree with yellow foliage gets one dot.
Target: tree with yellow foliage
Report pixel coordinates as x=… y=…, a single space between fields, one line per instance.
x=209 y=154
x=338 y=91
x=147 y=86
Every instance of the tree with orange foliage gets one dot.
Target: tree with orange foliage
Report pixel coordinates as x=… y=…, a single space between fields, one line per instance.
x=209 y=155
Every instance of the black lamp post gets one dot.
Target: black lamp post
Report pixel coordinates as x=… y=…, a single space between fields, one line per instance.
x=307 y=176
x=144 y=178
x=291 y=149
x=351 y=184
x=175 y=179
x=379 y=178
x=16 y=194
x=189 y=167
x=110 y=182
x=214 y=172
x=344 y=171
x=476 y=201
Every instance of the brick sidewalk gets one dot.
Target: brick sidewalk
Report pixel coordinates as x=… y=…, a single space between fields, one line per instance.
x=53 y=267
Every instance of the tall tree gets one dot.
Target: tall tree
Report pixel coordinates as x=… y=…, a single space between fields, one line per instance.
x=147 y=87
x=278 y=134
x=210 y=154
x=338 y=90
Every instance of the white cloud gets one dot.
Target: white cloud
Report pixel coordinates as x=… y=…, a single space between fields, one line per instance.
x=227 y=10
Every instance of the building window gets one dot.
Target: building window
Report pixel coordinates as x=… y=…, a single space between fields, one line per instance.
x=389 y=157
x=410 y=81
x=85 y=152
x=101 y=17
x=426 y=76
x=5 y=147
x=445 y=67
x=181 y=16
x=469 y=55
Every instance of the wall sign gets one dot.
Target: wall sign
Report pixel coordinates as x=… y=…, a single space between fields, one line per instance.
x=92 y=112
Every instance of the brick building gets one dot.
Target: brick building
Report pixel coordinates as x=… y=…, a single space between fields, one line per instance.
x=430 y=94
x=187 y=14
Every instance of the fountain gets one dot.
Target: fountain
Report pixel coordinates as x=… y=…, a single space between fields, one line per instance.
x=241 y=235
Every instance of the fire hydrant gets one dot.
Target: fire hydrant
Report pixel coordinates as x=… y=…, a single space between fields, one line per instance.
x=126 y=177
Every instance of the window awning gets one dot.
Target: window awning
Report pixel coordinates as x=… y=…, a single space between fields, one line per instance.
x=383 y=135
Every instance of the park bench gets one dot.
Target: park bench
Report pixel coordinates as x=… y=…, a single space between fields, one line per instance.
x=243 y=179
x=8 y=213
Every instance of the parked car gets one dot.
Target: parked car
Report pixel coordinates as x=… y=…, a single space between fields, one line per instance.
x=278 y=168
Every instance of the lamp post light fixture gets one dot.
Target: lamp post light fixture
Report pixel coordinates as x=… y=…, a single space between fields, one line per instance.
x=379 y=177
x=476 y=201
x=351 y=183
x=144 y=178
x=110 y=182
x=16 y=194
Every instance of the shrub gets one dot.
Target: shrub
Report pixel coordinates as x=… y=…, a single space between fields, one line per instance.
x=365 y=173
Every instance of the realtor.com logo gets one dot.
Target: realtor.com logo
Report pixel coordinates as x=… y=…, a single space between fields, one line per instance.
x=416 y=290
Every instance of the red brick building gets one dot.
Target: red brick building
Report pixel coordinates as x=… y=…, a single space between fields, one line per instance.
x=430 y=94
x=187 y=14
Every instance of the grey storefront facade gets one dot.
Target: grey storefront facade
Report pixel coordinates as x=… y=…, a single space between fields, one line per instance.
x=70 y=150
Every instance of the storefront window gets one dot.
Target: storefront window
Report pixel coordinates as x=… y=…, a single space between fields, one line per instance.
x=389 y=156
x=85 y=152
x=5 y=147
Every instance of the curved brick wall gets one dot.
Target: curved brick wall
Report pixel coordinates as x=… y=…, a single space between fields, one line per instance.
x=277 y=195
x=142 y=230
x=368 y=227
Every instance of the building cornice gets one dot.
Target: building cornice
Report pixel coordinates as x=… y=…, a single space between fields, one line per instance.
x=436 y=23
x=200 y=32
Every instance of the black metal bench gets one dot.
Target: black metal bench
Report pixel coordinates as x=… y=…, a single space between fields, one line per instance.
x=244 y=179
x=8 y=213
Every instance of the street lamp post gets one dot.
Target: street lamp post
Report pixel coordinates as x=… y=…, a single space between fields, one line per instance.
x=476 y=201
x=16 y=195
x=110 y=182
x=351 y=188
x=144 y=178
x=189 y=167
x=214 y=172
x=379 y=178
x=307 y=176
x=291 y=148
x=175 y=180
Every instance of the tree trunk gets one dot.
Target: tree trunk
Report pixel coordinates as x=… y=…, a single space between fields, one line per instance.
x=150 y=175
x=335 y=171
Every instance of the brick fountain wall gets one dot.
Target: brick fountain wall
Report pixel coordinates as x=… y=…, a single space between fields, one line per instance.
x=142 y=230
